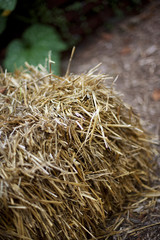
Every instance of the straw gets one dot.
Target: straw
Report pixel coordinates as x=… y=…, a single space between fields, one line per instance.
x=71 y=155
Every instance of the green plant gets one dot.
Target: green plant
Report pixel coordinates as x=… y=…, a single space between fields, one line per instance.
x=6 y=7
x=34 y=46
x=39 y=38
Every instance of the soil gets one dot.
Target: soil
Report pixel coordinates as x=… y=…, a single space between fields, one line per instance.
x=131 y=52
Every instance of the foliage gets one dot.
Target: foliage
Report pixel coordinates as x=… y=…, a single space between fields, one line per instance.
x=34 y=17
x=6 y=6
x=34 y=46
x=2 y=24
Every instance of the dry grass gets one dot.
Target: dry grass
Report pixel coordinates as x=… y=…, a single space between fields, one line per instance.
x=71 y=155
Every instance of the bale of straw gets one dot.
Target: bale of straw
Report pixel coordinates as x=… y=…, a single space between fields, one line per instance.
x=71 y=155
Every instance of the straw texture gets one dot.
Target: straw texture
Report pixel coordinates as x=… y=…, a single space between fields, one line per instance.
x=71 y=155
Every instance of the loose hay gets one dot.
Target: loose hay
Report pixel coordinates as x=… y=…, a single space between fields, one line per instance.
x=71 y=155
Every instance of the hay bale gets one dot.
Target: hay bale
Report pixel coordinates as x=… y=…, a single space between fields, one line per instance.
x=71 y=154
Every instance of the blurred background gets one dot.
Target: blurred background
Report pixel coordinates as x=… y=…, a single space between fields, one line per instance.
x=29 y=29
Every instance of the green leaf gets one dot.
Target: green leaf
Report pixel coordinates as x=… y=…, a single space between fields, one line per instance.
x=34 y=47
x=15 y=55
x=3 y=21
x=44 y=36
x=8 y=4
